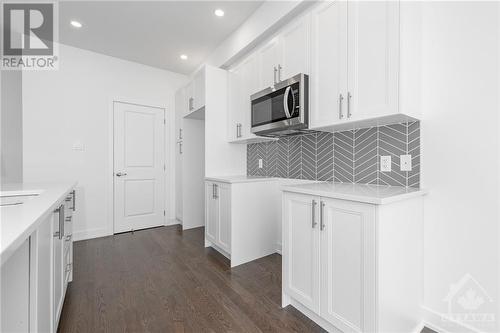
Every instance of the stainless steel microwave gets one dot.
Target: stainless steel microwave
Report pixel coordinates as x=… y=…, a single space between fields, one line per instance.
x=283 y=109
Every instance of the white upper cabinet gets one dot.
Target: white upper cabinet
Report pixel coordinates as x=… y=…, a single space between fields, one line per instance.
x=295 y=58
x=365 y=64
x=373 y=42
x=195 y=92
x=270 y=58
x=199 y=90
x=243 y=82
x=328 y=80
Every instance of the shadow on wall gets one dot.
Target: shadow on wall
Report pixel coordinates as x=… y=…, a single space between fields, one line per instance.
x=350 y=156
x=11 y=127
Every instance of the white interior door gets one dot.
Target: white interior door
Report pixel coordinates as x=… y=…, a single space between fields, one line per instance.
x=139 y=160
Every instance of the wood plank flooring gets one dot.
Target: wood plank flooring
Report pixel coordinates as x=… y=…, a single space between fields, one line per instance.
x=164 y=280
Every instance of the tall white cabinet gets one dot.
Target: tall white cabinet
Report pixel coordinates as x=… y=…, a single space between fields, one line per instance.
x=348 y=264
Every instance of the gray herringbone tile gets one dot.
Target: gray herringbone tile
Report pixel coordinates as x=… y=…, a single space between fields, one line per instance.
x=343 y=158
x=324 y=156
x=308 y=156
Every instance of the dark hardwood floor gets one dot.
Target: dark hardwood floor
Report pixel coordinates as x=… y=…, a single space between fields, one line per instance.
x=164 y=280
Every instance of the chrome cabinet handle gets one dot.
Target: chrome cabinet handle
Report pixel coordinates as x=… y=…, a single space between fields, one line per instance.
x=238 y=130
x=213 y=191
x=180 y=133
x=313 y=213
x=341 y=114
x=322 y=224
x=73 y=194
x=279 y=72
x=121 y=174
x=60 y=211
x=275 y=71
x=180 y=147
x=349 y=105
x=216 y=191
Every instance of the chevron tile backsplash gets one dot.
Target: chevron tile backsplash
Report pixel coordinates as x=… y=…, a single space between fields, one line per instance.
x=349 y=156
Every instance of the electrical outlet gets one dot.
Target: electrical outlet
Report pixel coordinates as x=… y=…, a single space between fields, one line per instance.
x=260 y=163
x=405 y=162
x=385 y=163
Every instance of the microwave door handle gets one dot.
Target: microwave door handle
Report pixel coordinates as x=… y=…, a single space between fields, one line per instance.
x=285 y=102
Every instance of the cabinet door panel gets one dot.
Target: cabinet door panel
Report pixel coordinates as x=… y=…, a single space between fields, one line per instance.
x=295 y=50
x=57 y=271
x=373 y=41
x=44 y=236
x=343 y=262
x=15 y=291
x=224 y=218
x=269 y=60
x=211 y=213
x=301 y=250
x=329 y=63
x=199 y=90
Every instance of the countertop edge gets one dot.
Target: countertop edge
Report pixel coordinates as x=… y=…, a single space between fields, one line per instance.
x=235 y=181
x=353 y=197
x=10 y=248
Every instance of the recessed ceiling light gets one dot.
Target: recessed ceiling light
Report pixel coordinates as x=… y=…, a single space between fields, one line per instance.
x=76 y=24
x=183 y=57
x=219 y=12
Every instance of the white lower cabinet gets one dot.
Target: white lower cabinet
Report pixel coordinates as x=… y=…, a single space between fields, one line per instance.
x=241 y=218
x=218 y=215
x=335 y=271
x=34 y=279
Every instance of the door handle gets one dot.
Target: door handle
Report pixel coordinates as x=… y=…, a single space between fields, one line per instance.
x=285 y=102
x=341 y=98
x=322 y=224
x=121 y=174
x=313 y=213
x=349 y=105
x=275 y=71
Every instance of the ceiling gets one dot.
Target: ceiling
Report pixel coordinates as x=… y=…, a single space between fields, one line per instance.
x=153 y=33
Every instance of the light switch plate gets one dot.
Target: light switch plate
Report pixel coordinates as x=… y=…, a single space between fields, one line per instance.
x=405 y=162
x=385 y=163
x=78 y=146
x=260 y=163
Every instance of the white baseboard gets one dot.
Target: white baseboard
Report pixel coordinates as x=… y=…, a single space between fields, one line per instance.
x=278 y=248
x=173 y=222
x=433 y=320
x=89 y=234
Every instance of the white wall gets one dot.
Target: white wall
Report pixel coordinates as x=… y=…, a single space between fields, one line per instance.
x=72 y=105
x=11 y=149
x=460 y=150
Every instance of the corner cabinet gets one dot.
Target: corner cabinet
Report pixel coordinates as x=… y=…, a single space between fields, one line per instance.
x=347 y=265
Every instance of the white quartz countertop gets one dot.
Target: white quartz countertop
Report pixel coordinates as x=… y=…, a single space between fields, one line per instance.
x=372 y=194
x=240 y=179
x=19 y=221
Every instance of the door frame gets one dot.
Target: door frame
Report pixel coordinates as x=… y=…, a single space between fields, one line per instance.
x=168 y=131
